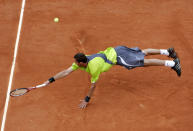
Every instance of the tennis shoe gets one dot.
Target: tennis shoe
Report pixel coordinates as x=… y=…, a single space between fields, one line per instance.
x=177 y=67
x=172 y=53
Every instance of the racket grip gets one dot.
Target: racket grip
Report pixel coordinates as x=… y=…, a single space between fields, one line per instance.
x=42 y=85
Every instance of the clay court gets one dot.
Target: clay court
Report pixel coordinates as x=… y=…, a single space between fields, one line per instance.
x=141 y=99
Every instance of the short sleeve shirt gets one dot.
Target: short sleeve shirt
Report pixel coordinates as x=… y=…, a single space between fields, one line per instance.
x=97 y=65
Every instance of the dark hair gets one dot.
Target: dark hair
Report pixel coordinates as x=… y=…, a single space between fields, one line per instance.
x=80 y=57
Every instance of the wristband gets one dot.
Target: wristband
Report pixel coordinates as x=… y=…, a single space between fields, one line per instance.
x=87 y=99
x=51 y=79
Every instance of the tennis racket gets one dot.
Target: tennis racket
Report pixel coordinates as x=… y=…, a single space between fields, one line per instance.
x=22 y=91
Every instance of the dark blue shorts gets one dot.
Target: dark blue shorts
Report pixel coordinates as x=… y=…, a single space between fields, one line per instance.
x=129 y=57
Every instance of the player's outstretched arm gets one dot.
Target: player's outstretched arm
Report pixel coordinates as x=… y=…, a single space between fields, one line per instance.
x=84 y=102
x=59 y=75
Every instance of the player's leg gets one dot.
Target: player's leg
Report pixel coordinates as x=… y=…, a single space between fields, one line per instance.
x=156 y=62
x=133 y=57
x=151 y=51
x=175 y=64
x=168 y=52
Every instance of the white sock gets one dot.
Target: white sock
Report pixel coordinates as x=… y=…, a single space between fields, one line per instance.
x=164 y=52
x=169 y=63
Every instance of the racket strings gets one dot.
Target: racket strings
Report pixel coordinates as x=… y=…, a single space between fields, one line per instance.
x=19 y=92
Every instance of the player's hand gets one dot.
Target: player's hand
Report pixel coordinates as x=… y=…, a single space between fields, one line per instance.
x=83 y=104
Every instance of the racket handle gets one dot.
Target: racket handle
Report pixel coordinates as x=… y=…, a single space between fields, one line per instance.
x=39 y=86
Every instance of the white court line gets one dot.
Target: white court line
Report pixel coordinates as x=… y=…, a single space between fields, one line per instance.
x=13 y=66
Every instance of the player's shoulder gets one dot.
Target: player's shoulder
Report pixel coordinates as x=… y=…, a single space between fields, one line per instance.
x=74 y=66
x=96 y=60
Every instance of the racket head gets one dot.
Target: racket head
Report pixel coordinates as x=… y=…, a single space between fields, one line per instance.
x=19 y=92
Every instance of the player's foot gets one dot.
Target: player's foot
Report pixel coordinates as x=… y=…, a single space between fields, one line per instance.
x=172 y=53
x=177 y=67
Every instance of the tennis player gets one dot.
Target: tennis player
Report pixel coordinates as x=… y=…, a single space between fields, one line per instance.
x=121 y=55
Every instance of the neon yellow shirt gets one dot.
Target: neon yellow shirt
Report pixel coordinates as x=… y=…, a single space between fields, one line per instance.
x=97 y=65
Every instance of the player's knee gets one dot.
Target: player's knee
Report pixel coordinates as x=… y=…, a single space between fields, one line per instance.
x=145 y=51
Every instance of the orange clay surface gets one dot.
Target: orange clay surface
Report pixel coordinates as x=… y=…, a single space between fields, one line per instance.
x=142 y=99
